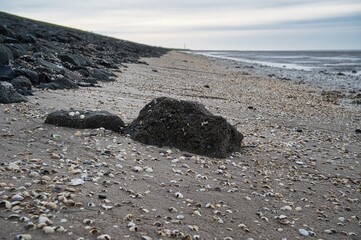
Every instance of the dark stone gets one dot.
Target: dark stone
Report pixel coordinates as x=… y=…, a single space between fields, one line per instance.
x=354 y=71
x=51 y=85
x=101 y=74
x=186 y=125
x=85 y=84
x=5 y=55
x=18 y=50
x=21 y=82
x=66 y=83
x=340 y=74
x=31 y=75
x=206 y=86
x=10 y=40
x=358 y=131
x=9 y=95
x=6 y=73
x=5 y=31
x=26 y=38
x=91 y=119
x=75 y=59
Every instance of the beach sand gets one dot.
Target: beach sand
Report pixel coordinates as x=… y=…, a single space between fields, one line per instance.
x=299 y=167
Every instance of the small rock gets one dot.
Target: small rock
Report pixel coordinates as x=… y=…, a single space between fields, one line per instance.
x=304 y=232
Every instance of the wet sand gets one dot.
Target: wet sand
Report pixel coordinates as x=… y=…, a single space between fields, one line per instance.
x=299 y=167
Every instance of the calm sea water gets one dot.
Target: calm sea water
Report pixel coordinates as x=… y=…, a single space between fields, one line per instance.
x=347 y=62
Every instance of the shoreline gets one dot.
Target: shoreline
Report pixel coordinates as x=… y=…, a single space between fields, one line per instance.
x=349 y=86
x=299 y=167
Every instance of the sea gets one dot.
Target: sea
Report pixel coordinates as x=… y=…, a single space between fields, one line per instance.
x=333 y=69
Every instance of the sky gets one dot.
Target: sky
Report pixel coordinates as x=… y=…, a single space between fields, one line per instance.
x=208 y=24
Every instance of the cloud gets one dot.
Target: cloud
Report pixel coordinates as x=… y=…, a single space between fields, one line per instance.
x=159 y=20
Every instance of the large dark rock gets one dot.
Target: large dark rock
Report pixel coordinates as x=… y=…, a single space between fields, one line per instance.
x=9 y=95
x=18 y=50
x=21 y=82
x=6 y=73
x=26 y=38
x=59 y=83
x=85 y=119
x=75 y=59
x=186 y=125
x=5 y=55
x=31 y=75
x=5 y=31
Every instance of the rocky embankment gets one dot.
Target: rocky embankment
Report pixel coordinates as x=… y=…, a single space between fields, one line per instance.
x=47 y=56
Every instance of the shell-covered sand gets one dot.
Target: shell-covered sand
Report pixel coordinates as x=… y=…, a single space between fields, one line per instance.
x=298 y=172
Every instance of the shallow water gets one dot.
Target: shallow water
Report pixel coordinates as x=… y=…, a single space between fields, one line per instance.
x=346 y=62
x=329 y=70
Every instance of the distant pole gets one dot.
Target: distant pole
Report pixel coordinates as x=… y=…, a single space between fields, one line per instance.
x=184 y=45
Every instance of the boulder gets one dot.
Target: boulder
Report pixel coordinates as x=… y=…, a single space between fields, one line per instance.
x=75 y=59
x=186 y=125
x=59 y=83
x=31 y=75
x=18 y=50
x=21 y=82
x=5 y=55
x=5 y=31
x=9 y=95
x=85 y=119
x=6 y=73
x=66 y=83
x=26 y=38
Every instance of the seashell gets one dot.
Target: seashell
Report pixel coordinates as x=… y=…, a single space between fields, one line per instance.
x=23 y=237
x=91 y=204
x=106 y=207
x=304 y=232
x=180 y=217
x=197 y=213
x=94 y=231
x=149 y=169
x=51 y=205
x=30 y=226
x=60 y=229
x=88 y=221
x=131 y=224
x=17 y=197
x=24 y=219
x=48 y=230
x=178 y=195
x=146 y=238
x=78 y=204
x=34 y=174
x=145 y=210
x=172 y=209
x=13 y=216
x=133 y=229
x=104 y=237
x=44 y=219
x=5 y=204
x=330 y=231
x=76 y=182
x=128 y=217
x=196 y=237
x=137 y=169
x=54 y=156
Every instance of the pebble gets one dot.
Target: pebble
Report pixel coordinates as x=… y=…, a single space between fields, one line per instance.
x=304 y=232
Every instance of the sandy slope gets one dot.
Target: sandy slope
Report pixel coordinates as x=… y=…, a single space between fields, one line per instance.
x=301 y=159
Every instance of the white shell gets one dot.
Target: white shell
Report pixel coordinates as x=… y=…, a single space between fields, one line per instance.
x=48 y=230
x=23 y=237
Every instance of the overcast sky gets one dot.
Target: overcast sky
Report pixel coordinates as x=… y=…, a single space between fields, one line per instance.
x=208 y=24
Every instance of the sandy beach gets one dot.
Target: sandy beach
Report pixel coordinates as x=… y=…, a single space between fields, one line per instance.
x=298 y=173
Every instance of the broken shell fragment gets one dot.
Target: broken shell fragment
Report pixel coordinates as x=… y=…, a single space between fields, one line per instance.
x=23 y=237
x=104 y=237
